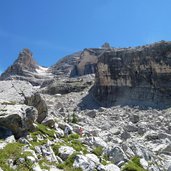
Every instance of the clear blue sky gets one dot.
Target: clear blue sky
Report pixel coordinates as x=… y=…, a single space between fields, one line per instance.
x=55 y=28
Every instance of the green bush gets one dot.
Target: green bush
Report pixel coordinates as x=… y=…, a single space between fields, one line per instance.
x=14 y=151
x=133 y=165
x=71 y=137
x=98 y=151
x=46 y=130
x=74 y=118
x=68 y=164
x=56 y=148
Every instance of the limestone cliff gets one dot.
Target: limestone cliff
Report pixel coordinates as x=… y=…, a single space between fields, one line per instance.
x=138 y=76
x=79 y=63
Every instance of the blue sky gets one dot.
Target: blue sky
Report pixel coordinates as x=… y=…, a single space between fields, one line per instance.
x=55 y=28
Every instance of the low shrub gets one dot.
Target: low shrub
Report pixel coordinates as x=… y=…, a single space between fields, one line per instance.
x=133 y=165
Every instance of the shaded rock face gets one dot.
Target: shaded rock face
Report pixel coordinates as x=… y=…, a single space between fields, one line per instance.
x=18 y=118
x=138 y=76
x=86 y=64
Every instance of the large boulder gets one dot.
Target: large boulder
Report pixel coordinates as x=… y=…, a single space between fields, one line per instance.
x=22 y=92
x=18 y=118
x=116 y=155
x=20 y=106
x=111 y=167
x=65 y=151
x=86 y=163
x=94 y=142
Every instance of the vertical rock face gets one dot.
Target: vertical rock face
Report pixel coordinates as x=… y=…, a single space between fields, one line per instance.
x=79 y=63
x=140 y=76
x=86 y=64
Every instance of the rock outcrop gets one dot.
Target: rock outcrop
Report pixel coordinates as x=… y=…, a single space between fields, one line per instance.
x=59 y=86
x=135 y=76
x=20 y=106
x=79 y=63
x=25 y=68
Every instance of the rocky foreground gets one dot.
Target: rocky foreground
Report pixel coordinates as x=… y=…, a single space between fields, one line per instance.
x=37 y=104
x=116 y=138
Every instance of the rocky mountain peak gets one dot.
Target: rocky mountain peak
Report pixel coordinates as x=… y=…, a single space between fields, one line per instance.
x=106 y=45
x=25 y=59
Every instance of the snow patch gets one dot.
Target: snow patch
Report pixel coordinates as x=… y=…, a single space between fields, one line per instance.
x=43 y=71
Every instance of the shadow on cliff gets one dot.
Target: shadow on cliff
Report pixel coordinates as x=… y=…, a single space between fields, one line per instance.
x=90 y=102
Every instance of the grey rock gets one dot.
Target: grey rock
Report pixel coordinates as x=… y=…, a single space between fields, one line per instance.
x=125 y=135
x=116 y=155
x=131 y=128
x=134 y=118
x=49 y=121
x=144 y=163
x=91 y=113
x=21 y=92
x=111 y=167
x=151 y=135
x=18 y=118
x=65 y=151
x=94 y=141
x=85 y=163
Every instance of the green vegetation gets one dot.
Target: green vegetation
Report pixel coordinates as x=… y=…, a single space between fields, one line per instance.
x=74 y=118
x=14 y=151
x=104 y=162
x=71 y=137
x=8 y=103
x=35 y=141
x=106 y=157
x=45 y=130
x=133 y=165
x=98 y=151
x=3 y=110
x=44 y=164
x=72 y=141
x=68 y=164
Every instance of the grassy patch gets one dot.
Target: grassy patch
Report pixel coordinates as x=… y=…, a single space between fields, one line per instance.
x=71 y=141
x=133 y=165
x=46 y=130
x=71 y=137
x=68 y=164
x=98 y=151
x=14 y=151
x=44 y=164
x=35 y=141
x=74 y=118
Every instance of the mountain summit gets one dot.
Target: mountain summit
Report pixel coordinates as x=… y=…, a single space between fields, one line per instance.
x=26 y=68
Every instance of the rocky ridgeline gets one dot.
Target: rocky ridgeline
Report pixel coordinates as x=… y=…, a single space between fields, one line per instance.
x=132 y=134
x=74 y=65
